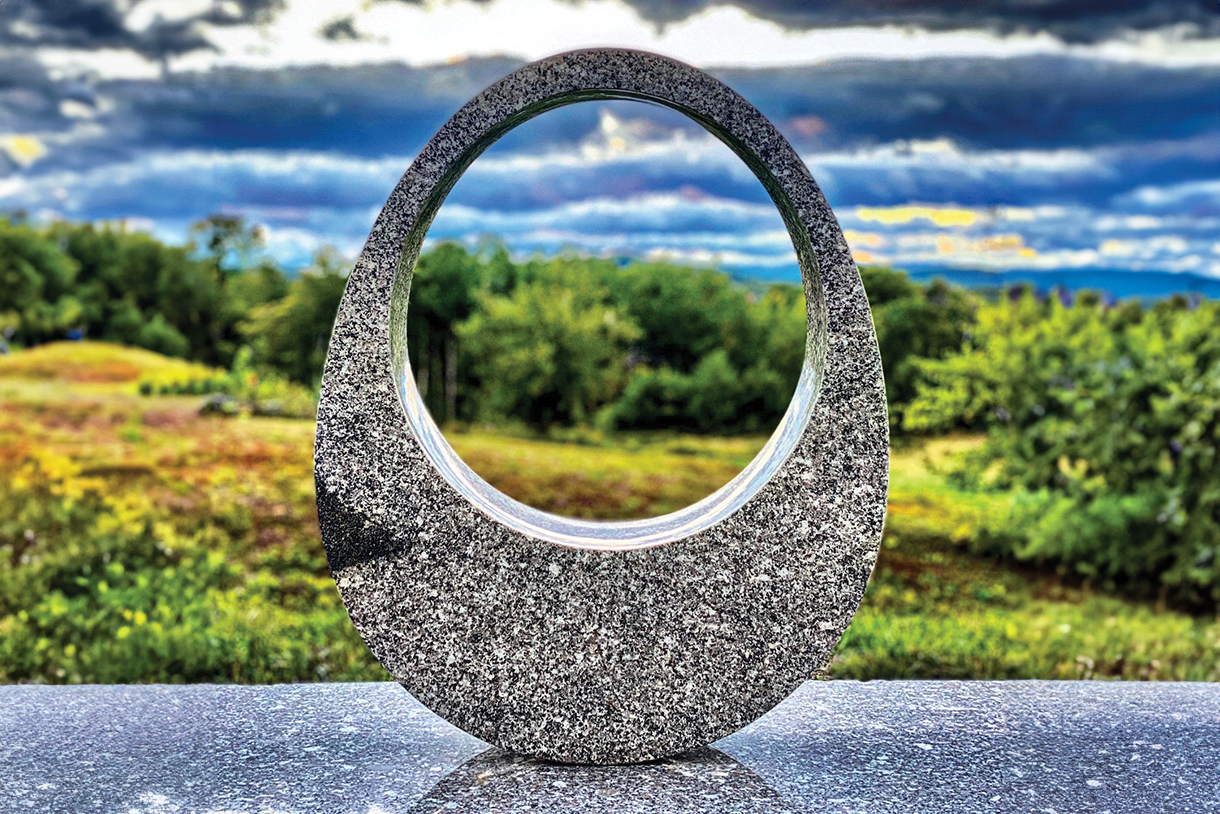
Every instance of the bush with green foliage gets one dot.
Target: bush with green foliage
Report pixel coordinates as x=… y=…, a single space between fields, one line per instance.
x=914 y=323
x=744 y=378
x=552 y=351
x=1107 y=423
x=252 y=389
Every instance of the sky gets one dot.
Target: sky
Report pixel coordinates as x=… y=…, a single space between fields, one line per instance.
x=1003 y=135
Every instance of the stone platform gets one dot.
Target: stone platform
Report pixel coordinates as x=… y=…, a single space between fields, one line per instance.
x=871 y=748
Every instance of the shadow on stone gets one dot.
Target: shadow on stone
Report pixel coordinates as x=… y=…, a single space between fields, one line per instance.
x=699 y=781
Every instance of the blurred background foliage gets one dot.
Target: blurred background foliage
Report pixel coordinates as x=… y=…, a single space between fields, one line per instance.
x=1055 y=509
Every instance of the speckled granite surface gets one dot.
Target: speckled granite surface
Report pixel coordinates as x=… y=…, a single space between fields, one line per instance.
x=608 y=642
x=833 y=748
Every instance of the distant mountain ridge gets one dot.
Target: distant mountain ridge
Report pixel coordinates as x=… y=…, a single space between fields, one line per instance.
x=1147 y=286
x=1143 y=285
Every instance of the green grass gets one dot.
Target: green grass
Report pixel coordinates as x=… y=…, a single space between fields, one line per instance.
x=168 y=546
x=84 y=363
x=639 y=476
x=933 y=612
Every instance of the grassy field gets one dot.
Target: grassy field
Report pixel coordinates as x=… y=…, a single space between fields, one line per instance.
x=141 y=541
x=611 y=479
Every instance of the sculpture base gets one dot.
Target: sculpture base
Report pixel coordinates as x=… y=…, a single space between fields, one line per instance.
x=833 y=747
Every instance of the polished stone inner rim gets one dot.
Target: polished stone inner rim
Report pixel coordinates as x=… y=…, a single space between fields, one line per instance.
x=613 y=535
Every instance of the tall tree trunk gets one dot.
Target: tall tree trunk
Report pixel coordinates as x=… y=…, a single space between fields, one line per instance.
x=450 y=376
x=437 y=356
x=423 y=368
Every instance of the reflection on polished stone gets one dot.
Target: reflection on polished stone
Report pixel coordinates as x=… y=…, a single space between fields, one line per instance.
x=700 y=781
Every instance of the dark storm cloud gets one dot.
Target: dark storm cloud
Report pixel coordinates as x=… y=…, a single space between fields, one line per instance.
x=92 y=24
x=366 y=111
x=29 y=101
x=1039 y=101
x=1027 y=103
x=342 y=28
x=1072 y=20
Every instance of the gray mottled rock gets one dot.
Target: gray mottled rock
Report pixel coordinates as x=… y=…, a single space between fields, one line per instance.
x=600 y=642
x=837 y=747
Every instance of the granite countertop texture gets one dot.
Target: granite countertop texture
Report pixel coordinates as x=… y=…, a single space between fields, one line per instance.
x=840 y=746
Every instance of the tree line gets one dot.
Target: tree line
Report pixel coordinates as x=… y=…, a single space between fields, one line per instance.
x=543 y=342
x=205 y=301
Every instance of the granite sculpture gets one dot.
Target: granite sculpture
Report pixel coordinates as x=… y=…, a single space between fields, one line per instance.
x=596 y=642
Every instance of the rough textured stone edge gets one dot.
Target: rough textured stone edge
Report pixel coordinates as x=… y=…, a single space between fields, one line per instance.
x=586 y=655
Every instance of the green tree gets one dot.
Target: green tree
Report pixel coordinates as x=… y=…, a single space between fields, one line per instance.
x=553 y=351
x=683 y=313
x=914 y=323
x=136 y=290
x=230 y=247
x=36 y=283
x=229 y=243
x=444 y=292
x=291 y=334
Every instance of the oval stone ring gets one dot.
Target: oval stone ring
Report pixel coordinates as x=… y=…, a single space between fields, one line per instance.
x=600 y=642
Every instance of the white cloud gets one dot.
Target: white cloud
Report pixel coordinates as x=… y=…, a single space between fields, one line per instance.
x=1178 y=196
x=619 y=142
x=147 y=13
x=945 y=153
x=96 y=63
x=631 y=215
x=215 y=177
x=719 y=258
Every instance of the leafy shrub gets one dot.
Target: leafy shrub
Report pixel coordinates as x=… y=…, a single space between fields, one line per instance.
x=1107 y=422
x=914 y=323
x=552 y=352
x=714 y=397
x=743 y=385
x=256 y=392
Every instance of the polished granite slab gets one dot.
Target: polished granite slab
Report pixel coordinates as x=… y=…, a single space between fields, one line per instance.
x=866 y=748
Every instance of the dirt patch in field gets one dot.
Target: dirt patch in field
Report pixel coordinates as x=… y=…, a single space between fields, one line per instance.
x=178 y=419
x=114 y=371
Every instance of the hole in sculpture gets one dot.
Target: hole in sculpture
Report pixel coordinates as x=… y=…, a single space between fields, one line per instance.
x=607 y=321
